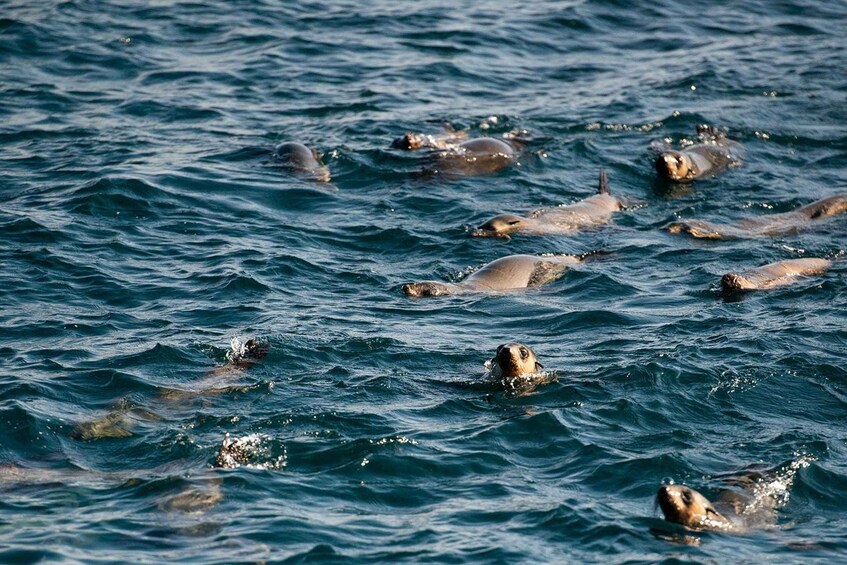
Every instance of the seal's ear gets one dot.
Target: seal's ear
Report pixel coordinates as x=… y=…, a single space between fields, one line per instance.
x=538 y=366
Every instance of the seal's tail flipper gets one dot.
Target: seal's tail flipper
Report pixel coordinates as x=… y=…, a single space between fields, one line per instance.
x=603 y=187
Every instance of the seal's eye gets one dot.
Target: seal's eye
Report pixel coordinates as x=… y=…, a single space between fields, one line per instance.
x=686 y=497
x=524 y=353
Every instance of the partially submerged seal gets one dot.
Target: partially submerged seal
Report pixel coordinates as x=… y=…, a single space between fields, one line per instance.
x=766 y=226
x=242 y=356
x=507 y=273
x=689 y=508
x=514 y=360
x=479 y=156
x=116 y=424
x=773 y=275
x=592 y=211
x=706 y=159
x=302 y=161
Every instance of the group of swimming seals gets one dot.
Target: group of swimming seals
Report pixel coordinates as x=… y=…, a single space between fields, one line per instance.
x=515 y=364
x=715 y=153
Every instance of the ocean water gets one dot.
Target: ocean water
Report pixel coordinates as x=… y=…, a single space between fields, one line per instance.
x=146 y=231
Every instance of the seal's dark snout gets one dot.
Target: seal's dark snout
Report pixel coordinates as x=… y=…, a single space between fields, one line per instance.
x=401 y=143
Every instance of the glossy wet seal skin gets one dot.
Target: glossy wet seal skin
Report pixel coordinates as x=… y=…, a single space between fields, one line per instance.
x=780 y=273
x=691 y=509
x=301 y=160
x=715 y=153
x=514 y=360
x=592 y=211
x=513 y=272
x=769 y=225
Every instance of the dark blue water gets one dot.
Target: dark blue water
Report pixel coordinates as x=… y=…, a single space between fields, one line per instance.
x=144 y=227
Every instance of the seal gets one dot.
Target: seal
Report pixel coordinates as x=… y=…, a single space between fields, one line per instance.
x=773 y=275
x=592 y=211
x=691 y=509
x=769 y=225
x=706 y=159
x=512 y=272
x=744 y=501
x=241 y=357
x=513 y=360
x=116 y=424
x=302 y=161
x=478 y=156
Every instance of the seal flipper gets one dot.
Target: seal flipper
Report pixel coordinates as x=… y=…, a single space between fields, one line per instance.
x=603 y=186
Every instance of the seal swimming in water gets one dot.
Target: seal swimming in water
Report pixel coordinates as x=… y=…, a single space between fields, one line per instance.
x=706 y=159
x=302 y=161
x=116 y=423
x=241 y=357
x=747 y=500
x=773 y=275
x=516 y=368
x=478 y=156
x=512 y=272
x=691 y=509
x=514 y=360
x=769 y=225
x=592 y=211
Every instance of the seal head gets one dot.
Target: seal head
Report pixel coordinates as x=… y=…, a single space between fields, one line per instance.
x=500 y=226
x=302 y=160
x=514 y=360
x=675 y=166
x=409 y=142
x=733 y=282
x=428 y=288
x=688 y=507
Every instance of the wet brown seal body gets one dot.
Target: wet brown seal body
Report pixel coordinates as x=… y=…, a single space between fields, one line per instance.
x=686 y=506
x=766 y=226
x=773 y=275
x=479 y=156
x=300 y=160
x=706 y=159
x=507 y=273
x=242 y=356
x=592 y=211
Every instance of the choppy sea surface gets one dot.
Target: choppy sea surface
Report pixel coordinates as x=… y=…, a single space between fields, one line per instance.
x=145 y=228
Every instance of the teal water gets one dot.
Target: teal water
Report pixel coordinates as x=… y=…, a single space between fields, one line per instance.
x=144 y=227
